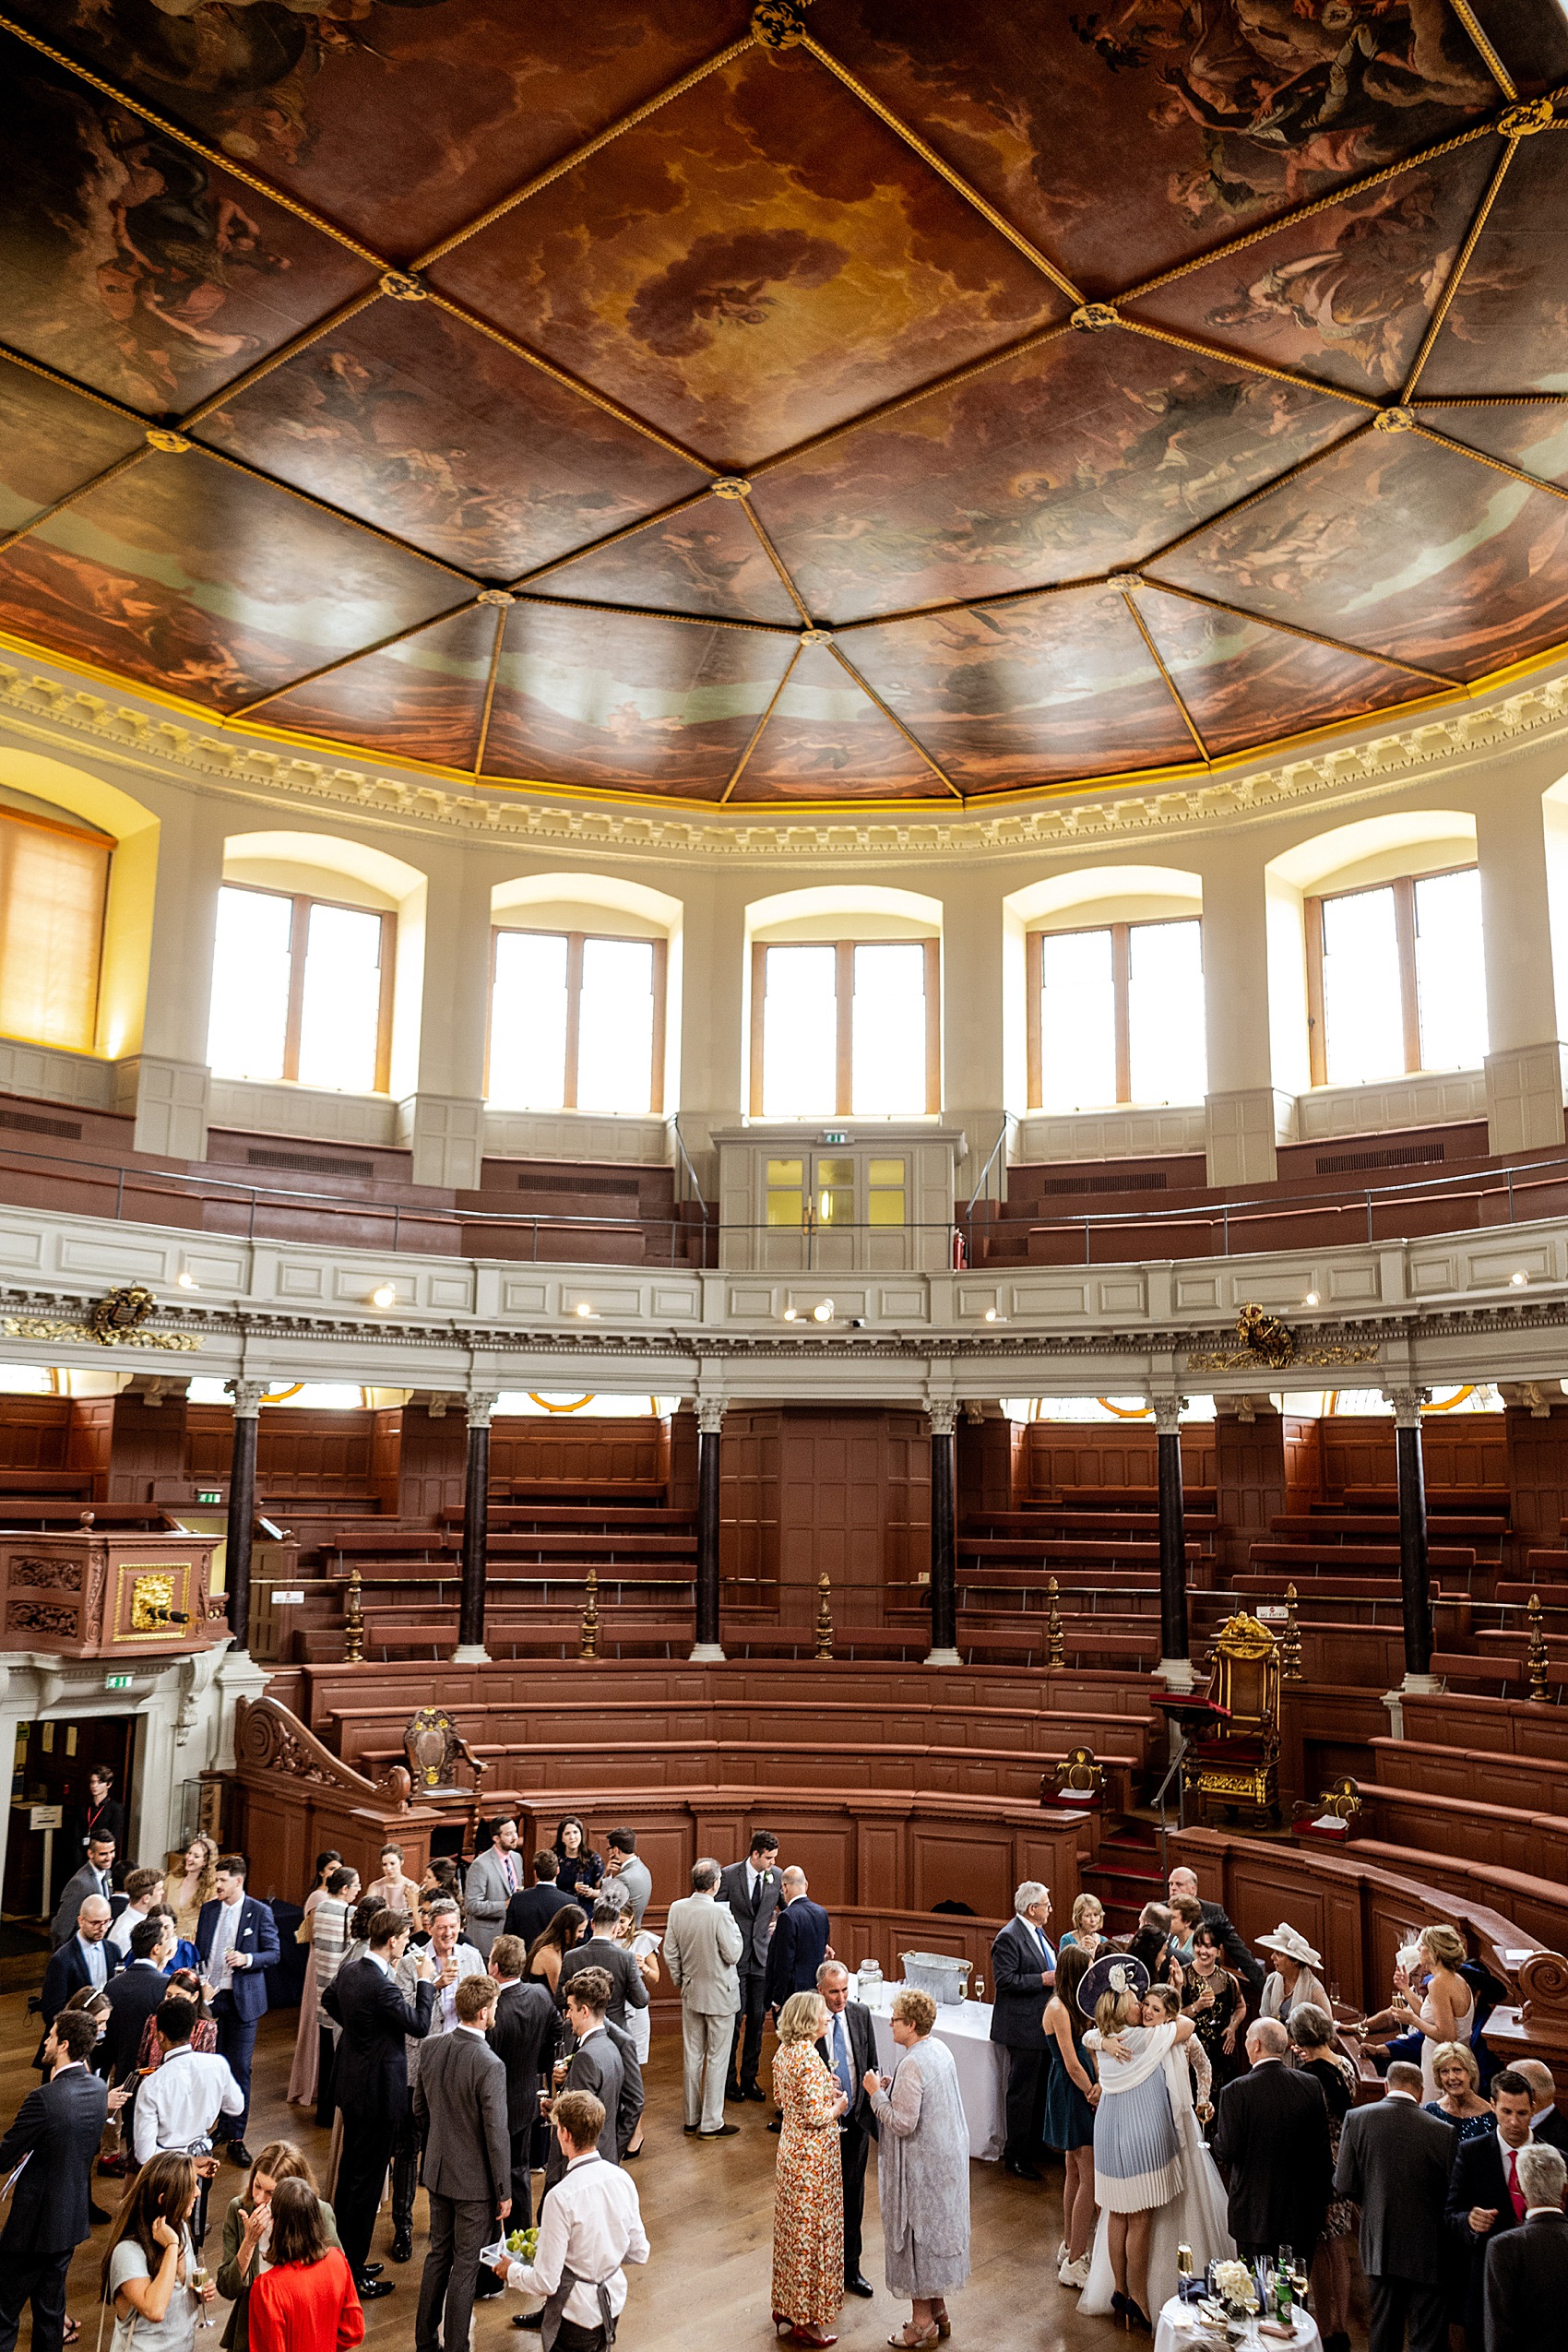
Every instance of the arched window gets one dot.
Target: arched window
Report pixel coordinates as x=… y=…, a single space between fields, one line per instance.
x=53 y=889
x=1113 y=975
x=845 y=1005
x=578 y=996
x=1395 y=978
x=302 y=989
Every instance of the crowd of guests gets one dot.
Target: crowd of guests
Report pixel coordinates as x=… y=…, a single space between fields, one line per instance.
x=1204 y=2098
x=484 y=2034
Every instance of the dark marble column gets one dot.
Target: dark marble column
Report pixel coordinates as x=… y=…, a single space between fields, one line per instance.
x=1175 y=1647
x=247 y=1396
x=470 y=1649
x=1415 y=1570
x=707 y=1648
x=944 y=1538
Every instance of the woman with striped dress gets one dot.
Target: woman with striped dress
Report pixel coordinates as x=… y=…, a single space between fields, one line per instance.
x=1138 y=2166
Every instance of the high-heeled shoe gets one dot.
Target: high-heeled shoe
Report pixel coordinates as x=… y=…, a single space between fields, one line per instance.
x=943 y=2324
x=1136 y=2318
x=1119 y=2307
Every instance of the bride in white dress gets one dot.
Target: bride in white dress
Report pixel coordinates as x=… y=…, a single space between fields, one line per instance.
x=1195 y=2217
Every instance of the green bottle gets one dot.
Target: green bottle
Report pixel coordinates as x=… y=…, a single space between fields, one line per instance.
x=1282 y=2296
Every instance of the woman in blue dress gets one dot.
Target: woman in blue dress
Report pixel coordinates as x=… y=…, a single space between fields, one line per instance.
x=1072 y=2094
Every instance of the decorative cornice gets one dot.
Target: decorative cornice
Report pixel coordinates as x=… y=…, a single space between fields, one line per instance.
x=1359 y=765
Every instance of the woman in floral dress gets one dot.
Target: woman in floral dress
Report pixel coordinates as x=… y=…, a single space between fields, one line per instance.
x=808 y=2200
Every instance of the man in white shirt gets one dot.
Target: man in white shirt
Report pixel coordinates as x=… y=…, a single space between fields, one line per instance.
x=590 y=2224
x=182 y=2099
x=454 y=1960
x=144 y=1893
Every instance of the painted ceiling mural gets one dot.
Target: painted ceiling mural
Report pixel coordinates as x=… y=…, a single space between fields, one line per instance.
x=863 y=401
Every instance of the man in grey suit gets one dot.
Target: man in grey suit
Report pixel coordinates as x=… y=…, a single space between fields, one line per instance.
x=753 y=1890
x=1526 y=2269
x=627 y=1990
x=1395 y=2160
x=702 y=1945
x=495 y=1876
x=460 y=2105
x=625 y=1867
x=598 y=2064
x=96 y=1876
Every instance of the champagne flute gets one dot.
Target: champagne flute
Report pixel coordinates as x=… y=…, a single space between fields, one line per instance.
x=201 y=2278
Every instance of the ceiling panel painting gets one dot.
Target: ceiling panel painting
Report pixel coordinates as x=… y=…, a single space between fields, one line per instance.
x=1533 y=438
x=1234 y=674
x=401 y=119
x=422 y=699
x=1089 y=452
x=1346 y=296
x=1061 y=686
x=52 y=439
x=759 y=260
x=186 y=575
x=825 y=728
x=1398 y=545
x=129 y=263
x=413 y=421
x=1507 y=328
x=706 y=560
x=1125 y=137
x=597 y=699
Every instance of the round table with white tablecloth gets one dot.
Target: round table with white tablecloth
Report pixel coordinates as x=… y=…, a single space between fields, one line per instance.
x=965 y=2027
x=1181 y=2328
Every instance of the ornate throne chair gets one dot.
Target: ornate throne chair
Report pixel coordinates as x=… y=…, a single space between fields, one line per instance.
x=1231 y=1766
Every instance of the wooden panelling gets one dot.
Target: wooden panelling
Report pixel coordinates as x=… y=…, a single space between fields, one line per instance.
x=560 y=1449
x=1538 y=1477
x=683 y=1495
x=809 y=1492
x=1250 y=1481
x=1465 y=1450
x=33 y=1433
x=748 y=1503
x=147 y=1448
x=90 y=1437
x=298 y=1452
x=1510 y=1725
x=432 y=1461
x=1060 y=1455
x=1326 y=1731
x=989 y=1463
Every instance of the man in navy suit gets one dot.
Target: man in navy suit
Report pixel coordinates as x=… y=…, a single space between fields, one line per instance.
x=236 y=1940
x=800 y=1942
x=54 y=2138
x=86 y=1958
x=1023 y=1971
x=1485 y=2197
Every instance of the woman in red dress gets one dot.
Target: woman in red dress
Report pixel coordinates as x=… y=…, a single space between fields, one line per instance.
x=304 y=2301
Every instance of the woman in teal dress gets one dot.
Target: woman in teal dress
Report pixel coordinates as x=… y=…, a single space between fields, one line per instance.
x=1072 y=2093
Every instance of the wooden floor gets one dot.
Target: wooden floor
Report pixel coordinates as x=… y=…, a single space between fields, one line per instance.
x=708 y=2207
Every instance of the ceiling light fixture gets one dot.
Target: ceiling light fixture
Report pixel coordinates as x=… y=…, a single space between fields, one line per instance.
x=790 y=1313
x=990 y=1314
x=584 y=1308
x=186 y=1280
x=824 y=1313
x=1519 y=1278
x=384 y=1295
x=1311 y=1298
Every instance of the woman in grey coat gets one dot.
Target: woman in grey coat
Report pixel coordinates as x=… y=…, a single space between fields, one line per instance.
x=922 y=2169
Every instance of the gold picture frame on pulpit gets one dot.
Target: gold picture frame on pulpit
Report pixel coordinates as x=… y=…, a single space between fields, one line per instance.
x=152 y=1602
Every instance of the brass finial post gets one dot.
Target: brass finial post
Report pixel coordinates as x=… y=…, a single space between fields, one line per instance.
x=1291 y=1641
x=589 y=1646
x=1536 y=1653
x=824 y=1616
x=353 y=1621
x=1055 y=1647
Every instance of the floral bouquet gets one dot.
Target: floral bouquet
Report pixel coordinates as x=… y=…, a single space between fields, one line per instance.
x=1234 y=2285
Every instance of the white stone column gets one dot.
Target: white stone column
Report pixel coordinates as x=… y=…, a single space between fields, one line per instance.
x=166 y=1083
x=974 y=1085
x=1525 y=1062
x=1247 y=1116
x=442 y=1122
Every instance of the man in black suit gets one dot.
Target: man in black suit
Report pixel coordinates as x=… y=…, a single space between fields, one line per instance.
x=524 y=2037
x=1271 y=2140
x=1548 y=2123
x=847 y=2049
x=102 y=1815
x=751 y=1890
x=627 y=1990
x=371 y=2082
x=57 y=2130
x=96 y=1876
x=134 y=1995
x=1394 y=2162
x=531 y=1909
x=1526 y=2269
x=800 y=1942
x=1485 y=2199
x=88 y=1958
x=1247 y=1966
x=1023 y=1970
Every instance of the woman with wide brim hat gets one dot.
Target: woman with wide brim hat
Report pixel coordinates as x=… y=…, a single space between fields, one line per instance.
x=1293 y=1982
x=1137 y=2148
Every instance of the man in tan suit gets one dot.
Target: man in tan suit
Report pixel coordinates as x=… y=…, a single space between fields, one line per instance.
x=701 y=1944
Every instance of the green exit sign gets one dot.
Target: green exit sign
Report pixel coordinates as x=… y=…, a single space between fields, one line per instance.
x=209 y=1494
x=836 y=1136
x=116 y=1682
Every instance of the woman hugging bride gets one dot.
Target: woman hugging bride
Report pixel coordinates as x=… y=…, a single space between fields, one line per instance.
x=1157 y=2183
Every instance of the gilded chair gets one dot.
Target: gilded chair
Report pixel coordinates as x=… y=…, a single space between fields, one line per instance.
x=1230 y=1768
